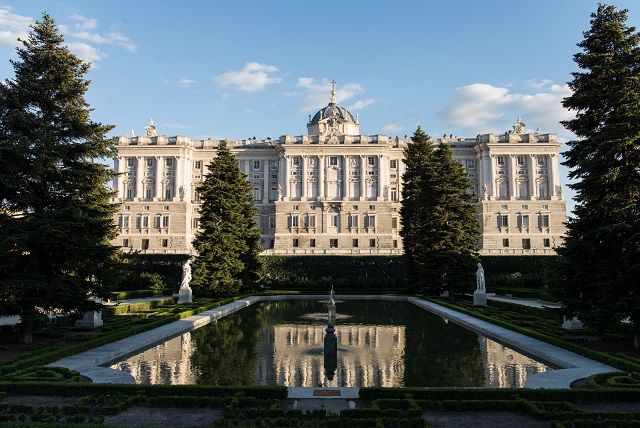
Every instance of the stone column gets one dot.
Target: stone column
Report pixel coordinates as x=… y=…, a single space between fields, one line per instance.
x=383 y=176
x=556 y=176
x=533 y=176
x=345 y=180
x=363 y=177
x=119 y=164
x=400 y=181
x=265 y=183
x=493 y=193
x=246 y=167
x=159 y=177
x=178 y=179
x=512 y=177
x=486 y=171
x=287 y=178
x=321 y=177
x=139 y=177
x=281 y=176
x=303 y=178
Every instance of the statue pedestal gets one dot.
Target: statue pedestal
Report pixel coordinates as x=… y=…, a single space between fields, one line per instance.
x=91 y=319
x=479 y=298
x=185 y=295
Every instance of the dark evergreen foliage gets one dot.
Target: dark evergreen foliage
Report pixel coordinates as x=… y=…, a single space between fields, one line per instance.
x=439 y=222
x=56 y=219
x=228 y=243
x=600 y=260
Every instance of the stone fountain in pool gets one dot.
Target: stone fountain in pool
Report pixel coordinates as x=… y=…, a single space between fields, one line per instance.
x=349 y=343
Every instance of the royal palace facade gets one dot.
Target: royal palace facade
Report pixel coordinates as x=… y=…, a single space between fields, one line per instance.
x=335 y=191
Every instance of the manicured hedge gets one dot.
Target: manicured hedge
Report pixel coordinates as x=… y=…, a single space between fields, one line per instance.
x=506 y=265
x=138 y=307
x=134 y=294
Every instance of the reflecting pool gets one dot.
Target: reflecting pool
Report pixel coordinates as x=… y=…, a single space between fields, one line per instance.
x=376 y=343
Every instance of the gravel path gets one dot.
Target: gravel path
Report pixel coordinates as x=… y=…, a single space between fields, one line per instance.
x=137 y=416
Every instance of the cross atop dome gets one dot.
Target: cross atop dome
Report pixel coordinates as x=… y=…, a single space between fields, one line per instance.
x=334 y=100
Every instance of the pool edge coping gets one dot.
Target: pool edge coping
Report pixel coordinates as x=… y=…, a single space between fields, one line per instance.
x=572 y=366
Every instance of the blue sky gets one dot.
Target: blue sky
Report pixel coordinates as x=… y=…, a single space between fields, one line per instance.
x=238 y=69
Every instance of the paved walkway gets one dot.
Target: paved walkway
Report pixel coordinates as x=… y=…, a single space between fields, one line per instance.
x=532 y=303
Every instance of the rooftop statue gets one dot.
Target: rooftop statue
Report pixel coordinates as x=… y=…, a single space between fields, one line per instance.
x=518 y=127
x=151 y=129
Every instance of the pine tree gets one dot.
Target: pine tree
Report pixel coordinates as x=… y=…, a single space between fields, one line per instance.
x=599 y=267
x=228 y=243
x=56 y=220
x=439 y=222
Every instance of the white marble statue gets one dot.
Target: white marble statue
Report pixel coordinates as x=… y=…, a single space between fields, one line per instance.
x=185 y=294
x=186 y=274
x=480 y=285
x=151 y=130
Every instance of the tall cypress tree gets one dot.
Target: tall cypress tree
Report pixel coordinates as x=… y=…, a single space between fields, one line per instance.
x=600 y=258
x=228 y=243
x=441 y=239
x=56 y=219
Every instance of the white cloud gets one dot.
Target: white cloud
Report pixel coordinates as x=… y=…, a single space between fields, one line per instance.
x=186 y=83
x=86 y=52
x=85 y=29
x=249 y=110
x=317 y=94
x=253 y=77
x=360 y=104
x=13 y=26
x=482 y=108
x=392 y=127
x=84 y=23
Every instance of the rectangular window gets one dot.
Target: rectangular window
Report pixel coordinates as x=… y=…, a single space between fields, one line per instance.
x=274 y=194
x=312 y=243
x=526 y=244
x=165 y=221
x=524 y=221
x=197 y=164
x=145 y=221
x=394 y=222
x=541 y=160
x=149 y=162
x=333 y=160
x=503 y=220
x=295 y=243
x=145 y=244
x=195 y=223
x=502 y=160
x=370 y=221
x=129 y=193
x=393 y=164
x=354 y=243
x=355 y=207
x=505 y=243
x=353 y=220
x=371 y=160
x=294 y=220
x=521 y=160
x=156 y=222
x=471 y=164
x=256 y=194
x=256 y=164
x=333 y=243
x=333 y=220
x=168 y=161
x=168 y=194
x=311 y=221
x=394 y=195
x=125 y=221
x=546 y=242
x=395 y=243
x=273 y=165
x=131 y=162
x=295 y=160
x=372 y=242
x=125 y=243
x=165 y=243
x=544 y=220
x=149 y=194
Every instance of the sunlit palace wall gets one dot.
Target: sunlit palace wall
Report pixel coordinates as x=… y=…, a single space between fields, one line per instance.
x=335 y=191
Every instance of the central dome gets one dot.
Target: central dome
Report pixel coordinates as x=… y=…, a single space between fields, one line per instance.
x=333 y=110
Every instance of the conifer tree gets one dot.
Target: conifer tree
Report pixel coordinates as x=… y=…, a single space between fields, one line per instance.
x=228 y=242
x=56 y=219
x=600 y=258
x=442 y=238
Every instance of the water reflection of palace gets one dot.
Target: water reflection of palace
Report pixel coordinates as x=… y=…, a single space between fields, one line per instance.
x=368 y=355
x=504 y=367
x=166 y=363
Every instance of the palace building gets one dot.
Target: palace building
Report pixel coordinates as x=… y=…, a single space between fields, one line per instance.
x=335 y=191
